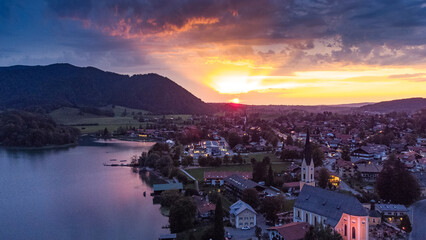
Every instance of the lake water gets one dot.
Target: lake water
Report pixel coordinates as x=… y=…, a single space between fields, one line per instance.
x=69 y=194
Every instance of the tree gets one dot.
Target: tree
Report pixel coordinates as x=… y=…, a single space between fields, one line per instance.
x=405 y=224
x=258 y=232
x=346 y=153
x=169 y=197
x=396 y=184
x=202 y=161
x=321 y=233
x=259 y=171
x=289 y=140
x=237 y=159
x=106 y=133
x=187 y=161
x=182 y=215
x=317 y=155
x=270 y=177
x=226 y=160
x=152 y=160
x=323 y=178
x=251 y=197
x=234 y=139
x=164 y=165
x=246 y=139
x=270 y=206
x=219 y=230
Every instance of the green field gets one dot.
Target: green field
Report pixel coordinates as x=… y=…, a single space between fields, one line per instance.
x=89 y=123
x=198 y=173
x=259 y=157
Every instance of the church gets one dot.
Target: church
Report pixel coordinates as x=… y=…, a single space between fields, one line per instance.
x=308 y=168
x=314 y=205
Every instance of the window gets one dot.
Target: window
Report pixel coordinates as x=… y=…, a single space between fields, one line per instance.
x=306 y=217
x=346 y=230
x=298 y=213
x=353 y=233
x=315 y=219
x=374 y=220
x=304 y=176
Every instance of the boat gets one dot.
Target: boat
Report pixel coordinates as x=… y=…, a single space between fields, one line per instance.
x=112 y=160
x=123 y=160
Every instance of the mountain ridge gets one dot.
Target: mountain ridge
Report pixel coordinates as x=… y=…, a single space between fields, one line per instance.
x=65 y=85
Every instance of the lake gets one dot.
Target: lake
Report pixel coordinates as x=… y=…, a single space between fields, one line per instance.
x=69 y=194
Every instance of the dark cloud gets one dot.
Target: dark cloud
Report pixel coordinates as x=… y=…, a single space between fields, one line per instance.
x=379 y=32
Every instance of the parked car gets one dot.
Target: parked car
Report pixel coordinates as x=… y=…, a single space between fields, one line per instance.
x=245 y=228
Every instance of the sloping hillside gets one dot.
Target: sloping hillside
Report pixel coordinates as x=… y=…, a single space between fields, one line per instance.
x=65 y=85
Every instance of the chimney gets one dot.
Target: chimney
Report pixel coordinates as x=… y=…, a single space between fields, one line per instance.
x=372 y=205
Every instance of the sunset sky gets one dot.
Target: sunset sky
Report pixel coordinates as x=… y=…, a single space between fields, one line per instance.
x=254 y=51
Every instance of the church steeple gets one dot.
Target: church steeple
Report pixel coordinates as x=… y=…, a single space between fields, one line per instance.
x=308 y=155
x=308 y=168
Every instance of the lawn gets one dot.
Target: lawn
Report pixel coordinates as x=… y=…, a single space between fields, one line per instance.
x=259 y=156
x=198 y=173
x=89 y=123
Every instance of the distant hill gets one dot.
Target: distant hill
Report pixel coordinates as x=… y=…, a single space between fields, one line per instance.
x=409 y=105
x=65 y=85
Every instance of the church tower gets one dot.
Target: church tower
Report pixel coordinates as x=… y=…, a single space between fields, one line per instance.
x=307 y=169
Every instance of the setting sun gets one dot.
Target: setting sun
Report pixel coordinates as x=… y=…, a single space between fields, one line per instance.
x=235 y=100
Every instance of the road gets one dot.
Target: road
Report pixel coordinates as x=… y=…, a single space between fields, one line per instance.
x=417 y=214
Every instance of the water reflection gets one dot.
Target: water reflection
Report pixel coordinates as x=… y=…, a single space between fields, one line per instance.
x=69 y=194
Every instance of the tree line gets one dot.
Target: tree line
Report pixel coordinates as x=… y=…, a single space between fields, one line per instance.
x=26 y=129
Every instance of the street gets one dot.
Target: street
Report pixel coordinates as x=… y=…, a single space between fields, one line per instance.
x=417 y=214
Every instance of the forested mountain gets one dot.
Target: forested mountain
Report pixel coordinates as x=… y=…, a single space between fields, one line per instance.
x=409 y=105
x=59 y=85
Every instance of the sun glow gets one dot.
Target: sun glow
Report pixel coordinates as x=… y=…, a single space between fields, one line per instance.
x=235 y=100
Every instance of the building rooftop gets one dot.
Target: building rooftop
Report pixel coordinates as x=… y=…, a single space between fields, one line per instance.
x=167 y=186
x=239 y=207
x=240 y=182
x=391 y=207
x=292 y=231
x=328 y=204
x=369 y=168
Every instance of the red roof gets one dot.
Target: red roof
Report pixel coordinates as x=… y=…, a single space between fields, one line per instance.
x=222 y=175
x=292 y=231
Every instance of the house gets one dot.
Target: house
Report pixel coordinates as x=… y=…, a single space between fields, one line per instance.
x=369 y=171
x=217 y=178
x=345 y=169
x=391 y=210
x=342 y=212
x=235 y=186
x=159 y=188
x=242 y=215
x=370 y=152
x=374 y=216
x=292 y=186
x=291 y=231
x=205 y=209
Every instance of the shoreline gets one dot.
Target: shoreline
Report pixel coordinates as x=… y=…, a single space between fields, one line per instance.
x=48 y=147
